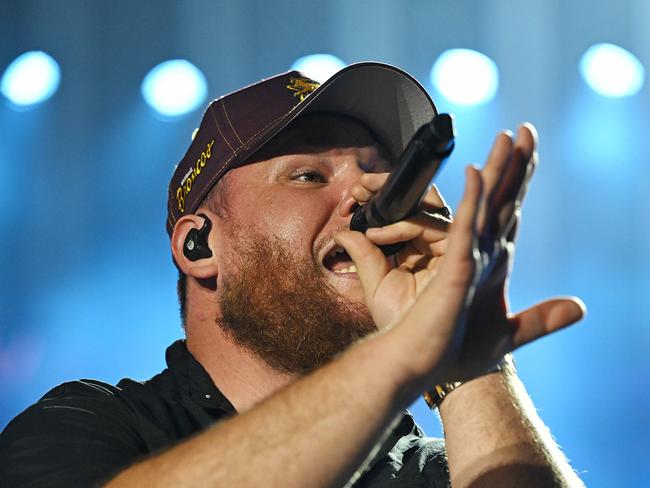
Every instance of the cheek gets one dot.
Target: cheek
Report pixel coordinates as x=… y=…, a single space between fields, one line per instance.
x=294 y=222
x=295 y=218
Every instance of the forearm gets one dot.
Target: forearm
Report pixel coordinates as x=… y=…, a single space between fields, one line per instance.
x=315 y=432
x=494 y=437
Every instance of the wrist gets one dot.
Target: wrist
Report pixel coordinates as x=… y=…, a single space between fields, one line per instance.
x=435 y=396
x=410 y=372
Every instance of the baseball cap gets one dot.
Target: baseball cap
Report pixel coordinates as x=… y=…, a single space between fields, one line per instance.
x=389 y=101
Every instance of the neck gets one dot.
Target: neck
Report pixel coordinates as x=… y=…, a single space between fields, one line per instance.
x=240 y=375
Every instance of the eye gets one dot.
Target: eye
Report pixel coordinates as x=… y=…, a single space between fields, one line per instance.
x=308 y=176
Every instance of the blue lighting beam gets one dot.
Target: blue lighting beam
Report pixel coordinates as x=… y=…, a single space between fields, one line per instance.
x=612 y=71
x=465 y=77
x=318 y=67
x=174 y=88
x=30 y=79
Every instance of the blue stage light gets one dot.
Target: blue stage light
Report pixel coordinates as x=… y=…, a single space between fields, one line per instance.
x=465 y=77
x=174 y=88
x=612 y=71
x=31 y=78
x=318 y=67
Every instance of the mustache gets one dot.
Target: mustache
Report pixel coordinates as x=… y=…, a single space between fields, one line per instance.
x=323 y=241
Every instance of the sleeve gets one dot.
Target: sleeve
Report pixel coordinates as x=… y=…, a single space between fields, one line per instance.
x=79 y=434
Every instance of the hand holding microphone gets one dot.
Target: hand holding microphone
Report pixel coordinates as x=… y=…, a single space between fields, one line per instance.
x=407 y=184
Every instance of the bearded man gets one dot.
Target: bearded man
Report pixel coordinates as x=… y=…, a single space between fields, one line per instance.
x=304 y=342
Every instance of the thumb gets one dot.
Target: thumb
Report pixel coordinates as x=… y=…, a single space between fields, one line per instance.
x=545 y=318
x=372 y=265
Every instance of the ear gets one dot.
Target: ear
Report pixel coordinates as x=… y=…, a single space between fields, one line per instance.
x=201 y=268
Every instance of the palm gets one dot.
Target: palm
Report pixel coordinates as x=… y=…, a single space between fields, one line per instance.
x=402 y=285
x=489 y=329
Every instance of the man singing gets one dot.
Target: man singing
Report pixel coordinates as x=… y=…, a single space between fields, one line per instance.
x=304 y=342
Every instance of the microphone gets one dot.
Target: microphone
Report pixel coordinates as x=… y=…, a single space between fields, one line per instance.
x=407 y=184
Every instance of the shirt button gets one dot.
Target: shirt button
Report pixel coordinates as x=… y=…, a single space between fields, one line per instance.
x=208 y=396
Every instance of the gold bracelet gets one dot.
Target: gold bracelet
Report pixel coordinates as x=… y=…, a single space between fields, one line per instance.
x=436 y=395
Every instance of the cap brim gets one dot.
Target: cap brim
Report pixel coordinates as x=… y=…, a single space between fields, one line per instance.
x=388 y=100
x=392 y=103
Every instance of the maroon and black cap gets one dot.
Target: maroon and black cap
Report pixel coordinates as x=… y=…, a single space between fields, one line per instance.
x=386 y=99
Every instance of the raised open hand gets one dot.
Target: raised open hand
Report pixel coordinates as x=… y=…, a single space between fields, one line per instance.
x=491 y=330
x=478 y=329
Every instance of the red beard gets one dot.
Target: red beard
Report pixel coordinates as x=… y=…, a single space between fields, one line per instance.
x=281 y=308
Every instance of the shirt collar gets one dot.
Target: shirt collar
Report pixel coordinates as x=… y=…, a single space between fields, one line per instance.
x=190 y=375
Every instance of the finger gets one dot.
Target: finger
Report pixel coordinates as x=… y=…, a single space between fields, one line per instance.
x=512 y=188
x=527 y=141
x=492 y=175
x=512 y=229
x=546 y=317
x=448 y=291
x=368 y=184
x=426 y=229
x=372 y=265
x=463 y=232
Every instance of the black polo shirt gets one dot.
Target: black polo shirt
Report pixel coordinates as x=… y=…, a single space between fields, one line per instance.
x=83 y=433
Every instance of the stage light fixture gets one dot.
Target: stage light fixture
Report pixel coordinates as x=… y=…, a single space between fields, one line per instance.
x=318 y=67
x=31 y=78
x=465 y=77
x=612 y=71
x=174 y=88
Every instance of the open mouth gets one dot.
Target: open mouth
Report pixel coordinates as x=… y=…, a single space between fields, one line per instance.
x=338 y=261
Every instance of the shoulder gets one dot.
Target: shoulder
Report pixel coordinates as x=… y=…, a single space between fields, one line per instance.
x=81 y=423
x=67 y=396
x=81 y=399
x=71 y=408
x=82 y=389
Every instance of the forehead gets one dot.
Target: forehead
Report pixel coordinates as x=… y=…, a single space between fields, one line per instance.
x=320 y=132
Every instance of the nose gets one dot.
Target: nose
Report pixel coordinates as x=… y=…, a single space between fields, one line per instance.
x=349 y=176
x=347 y=205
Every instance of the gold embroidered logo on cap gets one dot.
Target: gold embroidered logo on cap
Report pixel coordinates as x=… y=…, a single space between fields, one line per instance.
x=186 y=183
x=302 y=87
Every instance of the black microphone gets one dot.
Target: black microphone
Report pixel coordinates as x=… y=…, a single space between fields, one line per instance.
x=407 y=184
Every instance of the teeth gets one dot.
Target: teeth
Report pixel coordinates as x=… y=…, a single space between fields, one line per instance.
x=339 y=250
x=350 y=269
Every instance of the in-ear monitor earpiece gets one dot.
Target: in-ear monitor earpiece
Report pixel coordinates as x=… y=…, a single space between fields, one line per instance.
x=196 y=243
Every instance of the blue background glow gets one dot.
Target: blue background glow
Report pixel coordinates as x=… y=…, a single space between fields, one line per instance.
x=88 y=286
x=318 y=67
x=612 y=71
x=465 y=77
x=30 y=79
x=174 y=88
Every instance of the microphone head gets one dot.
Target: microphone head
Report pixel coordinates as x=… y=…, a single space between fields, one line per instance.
x=443 y=125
